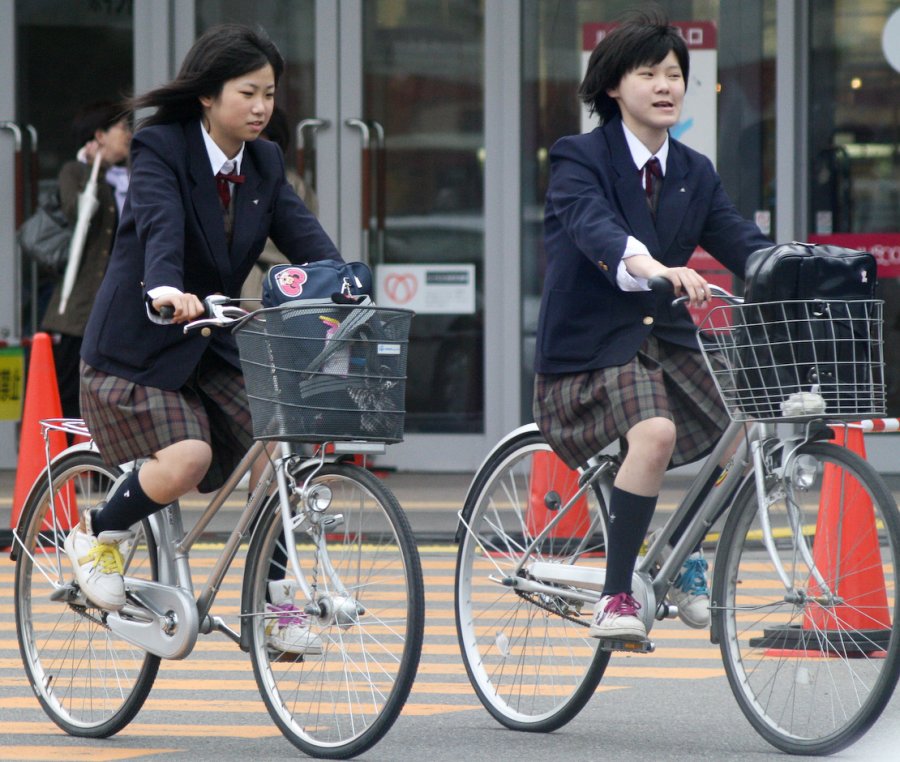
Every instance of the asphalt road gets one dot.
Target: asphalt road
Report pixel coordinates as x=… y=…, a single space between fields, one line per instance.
x=674 y=704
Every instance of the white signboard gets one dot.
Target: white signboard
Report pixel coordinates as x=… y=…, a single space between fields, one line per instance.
x=697 y=126
x=427 y=289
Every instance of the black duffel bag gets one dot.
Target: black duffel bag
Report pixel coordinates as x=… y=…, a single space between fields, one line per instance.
x=807 y=328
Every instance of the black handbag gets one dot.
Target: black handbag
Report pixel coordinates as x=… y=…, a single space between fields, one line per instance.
x=810 y=326
x=45 y=236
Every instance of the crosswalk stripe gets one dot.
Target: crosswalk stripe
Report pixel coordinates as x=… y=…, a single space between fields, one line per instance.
x=218 y=676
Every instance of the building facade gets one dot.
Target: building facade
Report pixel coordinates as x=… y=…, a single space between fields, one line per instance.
x=424 y=126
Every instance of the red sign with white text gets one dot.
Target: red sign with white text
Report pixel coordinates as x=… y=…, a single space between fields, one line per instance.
x=885 y=247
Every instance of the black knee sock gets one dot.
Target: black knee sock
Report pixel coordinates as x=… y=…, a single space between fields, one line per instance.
x=680 y=529
x=128 y=505
x=629 y=518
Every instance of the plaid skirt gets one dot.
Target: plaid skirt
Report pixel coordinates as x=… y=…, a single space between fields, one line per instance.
x=129 y=421
x=580 y=414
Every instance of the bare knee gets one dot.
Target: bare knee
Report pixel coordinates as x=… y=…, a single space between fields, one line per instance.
x=651 y=443
x=176 y=470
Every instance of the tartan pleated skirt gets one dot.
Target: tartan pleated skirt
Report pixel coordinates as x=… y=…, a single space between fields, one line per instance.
x=579 y=414
x=129 y=421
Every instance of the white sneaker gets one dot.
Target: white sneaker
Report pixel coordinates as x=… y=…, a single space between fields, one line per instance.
x=690 y=592
x=287 y=627
x=615 y=616
x=98 y=563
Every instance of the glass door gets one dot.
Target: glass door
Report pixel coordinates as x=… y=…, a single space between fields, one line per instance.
x=386 y=101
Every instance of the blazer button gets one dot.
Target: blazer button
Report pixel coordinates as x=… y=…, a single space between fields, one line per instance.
x=648 y=320
x=205 y=332
x=603 y=265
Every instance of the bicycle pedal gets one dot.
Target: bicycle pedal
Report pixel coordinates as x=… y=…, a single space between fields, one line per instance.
x=629 y=646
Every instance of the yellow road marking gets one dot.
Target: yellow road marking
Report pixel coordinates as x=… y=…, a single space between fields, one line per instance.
x=75 y=753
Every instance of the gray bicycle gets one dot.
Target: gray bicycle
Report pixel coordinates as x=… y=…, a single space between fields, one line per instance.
x=327 y=526
x=804 y=594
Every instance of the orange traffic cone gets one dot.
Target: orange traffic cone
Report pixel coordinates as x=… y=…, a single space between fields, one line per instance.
x=551 y=486
x=846 y=533
x=41 y=401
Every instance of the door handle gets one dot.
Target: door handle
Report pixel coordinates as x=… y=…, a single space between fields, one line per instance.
x=373 y=186
x=365 y=182
x=305 y=158
x=19 y=170
x=379 y=187
x=34 y=165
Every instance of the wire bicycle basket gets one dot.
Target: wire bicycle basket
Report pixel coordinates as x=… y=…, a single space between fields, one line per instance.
x=321 y=372
x=796 y=360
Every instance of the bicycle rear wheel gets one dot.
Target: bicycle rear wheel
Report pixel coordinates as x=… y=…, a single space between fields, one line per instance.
x=529 y=657
x=339 y=703
x=812 y=672
x=89 y=682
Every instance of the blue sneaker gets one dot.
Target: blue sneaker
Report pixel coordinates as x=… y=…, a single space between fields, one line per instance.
x=690 y=592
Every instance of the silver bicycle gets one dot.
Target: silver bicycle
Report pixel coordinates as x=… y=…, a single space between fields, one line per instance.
x=804 y=591
x=327 y=526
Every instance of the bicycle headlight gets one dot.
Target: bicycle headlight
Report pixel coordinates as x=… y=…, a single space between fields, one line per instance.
x=804 y=471
x=318 y=498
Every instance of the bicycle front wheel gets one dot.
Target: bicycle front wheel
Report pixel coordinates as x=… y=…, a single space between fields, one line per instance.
x=528 y=655
x=369 y=615
x=812 y=662
x=88 y=681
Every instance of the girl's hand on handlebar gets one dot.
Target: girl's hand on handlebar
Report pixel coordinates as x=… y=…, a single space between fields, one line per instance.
x=186 y=307
x=688 y=283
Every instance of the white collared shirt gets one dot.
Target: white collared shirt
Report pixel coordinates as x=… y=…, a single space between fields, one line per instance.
x=218 y=162
x=640 y=154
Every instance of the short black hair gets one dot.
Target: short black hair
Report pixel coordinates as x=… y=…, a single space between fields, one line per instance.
x=99 y=115
x=644 y=37
x=221 y=53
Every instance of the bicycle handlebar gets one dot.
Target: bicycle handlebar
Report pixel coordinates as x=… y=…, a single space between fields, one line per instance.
x=218 y=311
x=660 y=285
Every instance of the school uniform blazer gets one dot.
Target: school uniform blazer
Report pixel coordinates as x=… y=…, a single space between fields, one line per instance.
x=172 y=234
x=594 y=202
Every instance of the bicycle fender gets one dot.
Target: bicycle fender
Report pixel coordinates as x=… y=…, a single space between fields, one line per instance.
x=41 y=479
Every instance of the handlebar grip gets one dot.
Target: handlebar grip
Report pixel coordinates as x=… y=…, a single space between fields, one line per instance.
x=660 y=285
x=167 y=312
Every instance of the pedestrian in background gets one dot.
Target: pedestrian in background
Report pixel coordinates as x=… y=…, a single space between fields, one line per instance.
x=99 y=127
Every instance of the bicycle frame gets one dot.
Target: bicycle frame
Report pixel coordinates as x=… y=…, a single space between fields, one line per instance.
x=168 y=618
x=745 y=446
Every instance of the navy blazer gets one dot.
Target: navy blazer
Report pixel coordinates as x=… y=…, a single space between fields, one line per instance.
x=594 y=202
x=172 y=234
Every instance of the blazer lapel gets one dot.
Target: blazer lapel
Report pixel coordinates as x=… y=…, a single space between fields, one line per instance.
x=248 y=209
x=629 y=193
x=205 y=198
x=674 y=198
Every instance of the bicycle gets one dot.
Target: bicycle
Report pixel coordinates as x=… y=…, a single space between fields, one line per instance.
x=336 y=530
x=803 y=601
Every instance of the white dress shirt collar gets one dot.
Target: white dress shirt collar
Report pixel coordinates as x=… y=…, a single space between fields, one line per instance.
x=217 y=157
x=639 y=152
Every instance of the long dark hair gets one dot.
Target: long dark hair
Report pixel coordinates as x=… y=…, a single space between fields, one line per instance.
x=645 y=37
x=219 y=54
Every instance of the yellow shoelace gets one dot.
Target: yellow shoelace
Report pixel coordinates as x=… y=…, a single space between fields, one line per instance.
x=106 y=558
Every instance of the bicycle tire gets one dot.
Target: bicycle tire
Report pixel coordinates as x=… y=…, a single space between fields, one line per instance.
x=89 y=682
x=812 y=677
x=533 y=669
x=341 y=702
